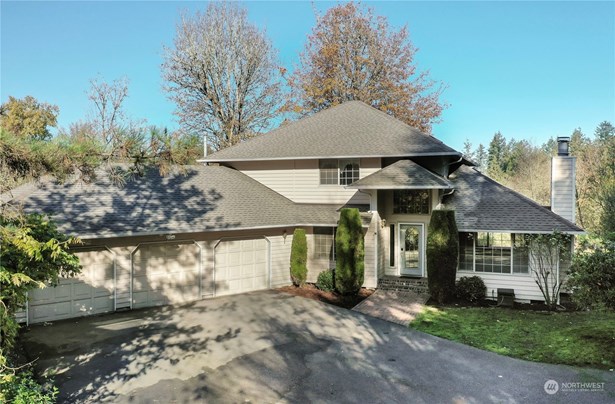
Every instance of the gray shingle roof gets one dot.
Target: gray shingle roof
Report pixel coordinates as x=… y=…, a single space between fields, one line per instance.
x=352 y=129
x=205 y=198
x=481 y=203
x=403 y=174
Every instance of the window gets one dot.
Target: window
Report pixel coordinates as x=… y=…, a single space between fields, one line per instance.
x=521 y=254
x=501 y=253
x=410 y=201
x=392 y=245
x=466 y=251
x=493 y=252
x=324 y=243
x=339 y=172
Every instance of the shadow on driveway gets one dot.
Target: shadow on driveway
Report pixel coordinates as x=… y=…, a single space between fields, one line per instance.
x=271 y=347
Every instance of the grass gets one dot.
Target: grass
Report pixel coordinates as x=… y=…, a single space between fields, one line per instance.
x=584 y=339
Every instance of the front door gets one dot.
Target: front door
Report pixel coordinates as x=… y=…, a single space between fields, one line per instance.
x=411 y=245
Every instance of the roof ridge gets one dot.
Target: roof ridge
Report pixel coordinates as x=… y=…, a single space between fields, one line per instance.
x=303 y=119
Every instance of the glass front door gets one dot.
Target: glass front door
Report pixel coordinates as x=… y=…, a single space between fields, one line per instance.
x=411 y=245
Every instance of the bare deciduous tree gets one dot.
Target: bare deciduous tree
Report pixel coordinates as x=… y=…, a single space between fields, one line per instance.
x=223 y=75
x=108 y=112
x=354 y=55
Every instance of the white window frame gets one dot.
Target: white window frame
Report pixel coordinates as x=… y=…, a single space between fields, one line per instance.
x=512 y=257
x=338 y=163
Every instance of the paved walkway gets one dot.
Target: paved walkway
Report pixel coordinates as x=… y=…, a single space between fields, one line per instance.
x=396 y=307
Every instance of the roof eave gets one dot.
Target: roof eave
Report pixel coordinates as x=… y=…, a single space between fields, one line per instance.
x=393 y=187
x=495 y=230
x=230 y=160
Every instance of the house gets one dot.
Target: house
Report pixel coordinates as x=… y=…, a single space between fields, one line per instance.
x=225 y=226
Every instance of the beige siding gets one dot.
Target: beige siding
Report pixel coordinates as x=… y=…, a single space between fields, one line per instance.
x=299 y=180
x=371 y=237
x=524 y=286
x=280 y=259
x=207 y=267
x=563 y=187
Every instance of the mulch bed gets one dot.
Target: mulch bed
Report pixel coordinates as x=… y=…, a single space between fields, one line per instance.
x=312 y=292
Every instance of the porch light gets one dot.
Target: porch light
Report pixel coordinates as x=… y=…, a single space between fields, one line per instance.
x=383 y=223
x=563 y=145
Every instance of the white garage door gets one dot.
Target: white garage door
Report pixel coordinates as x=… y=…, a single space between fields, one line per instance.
x=241 y=266
x=165 y=274
x=91 y=292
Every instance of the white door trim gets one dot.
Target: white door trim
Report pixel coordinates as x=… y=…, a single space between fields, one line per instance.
x=422 y=247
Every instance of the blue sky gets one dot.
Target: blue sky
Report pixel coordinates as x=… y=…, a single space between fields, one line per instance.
x=531 y=70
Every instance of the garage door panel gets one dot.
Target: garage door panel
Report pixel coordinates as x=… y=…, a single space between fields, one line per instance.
x=240 y=266
x=165 y=274
x=78 y=296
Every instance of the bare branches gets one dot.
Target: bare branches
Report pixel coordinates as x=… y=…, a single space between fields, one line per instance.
x=222 y=73
x=107 y=100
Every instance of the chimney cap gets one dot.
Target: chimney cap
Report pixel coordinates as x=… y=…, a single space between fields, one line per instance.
x=563 y=145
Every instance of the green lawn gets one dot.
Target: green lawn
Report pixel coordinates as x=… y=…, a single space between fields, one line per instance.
x=571 y=338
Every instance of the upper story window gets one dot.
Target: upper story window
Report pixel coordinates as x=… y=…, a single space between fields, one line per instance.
x=339 y=172
x=411 y=201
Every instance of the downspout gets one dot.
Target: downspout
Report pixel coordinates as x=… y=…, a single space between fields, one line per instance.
x=450 y=164
x=447 y=174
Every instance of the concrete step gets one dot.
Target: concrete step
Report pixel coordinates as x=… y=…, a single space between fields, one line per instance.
x=418 y=285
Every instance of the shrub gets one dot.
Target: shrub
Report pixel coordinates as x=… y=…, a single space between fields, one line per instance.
x=326 y=280
x=592 y=277
x=442 y=255
x=350 y=252
x=298 y=258
x=22 y=388
x=470 y=288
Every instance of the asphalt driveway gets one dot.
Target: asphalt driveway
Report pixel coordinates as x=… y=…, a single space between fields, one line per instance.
x=273 y=347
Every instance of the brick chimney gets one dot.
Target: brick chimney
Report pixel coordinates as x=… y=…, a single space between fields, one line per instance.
x=563 y=181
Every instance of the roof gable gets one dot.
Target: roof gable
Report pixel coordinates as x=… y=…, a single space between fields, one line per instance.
x=403 y=174
x=351 y=129
x=482 y=204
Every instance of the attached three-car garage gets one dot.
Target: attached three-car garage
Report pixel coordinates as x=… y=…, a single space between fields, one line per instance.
x=154 y=274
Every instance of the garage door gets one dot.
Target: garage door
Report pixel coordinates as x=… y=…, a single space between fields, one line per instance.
x=91 y=292
x=165 y=274
x=241 y=266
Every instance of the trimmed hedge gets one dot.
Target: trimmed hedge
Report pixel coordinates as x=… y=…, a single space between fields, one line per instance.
x=326 y=280
x=298 y=258
x=350 y=252
x=442 y=255
x=470 y=288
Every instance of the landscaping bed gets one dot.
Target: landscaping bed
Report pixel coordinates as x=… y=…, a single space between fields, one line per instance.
x=312 y=292
x=579 y=338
